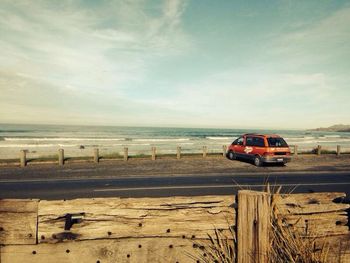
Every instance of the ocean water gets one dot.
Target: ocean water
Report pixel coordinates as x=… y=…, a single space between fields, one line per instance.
x=45 y=140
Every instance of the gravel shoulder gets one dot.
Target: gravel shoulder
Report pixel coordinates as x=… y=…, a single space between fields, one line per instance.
x=170 y=167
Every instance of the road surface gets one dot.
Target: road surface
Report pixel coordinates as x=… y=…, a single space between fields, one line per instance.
x=188 y=185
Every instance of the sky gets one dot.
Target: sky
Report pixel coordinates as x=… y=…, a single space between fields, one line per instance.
x=232 y=64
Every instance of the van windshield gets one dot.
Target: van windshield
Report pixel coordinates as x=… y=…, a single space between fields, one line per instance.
x=277 y=142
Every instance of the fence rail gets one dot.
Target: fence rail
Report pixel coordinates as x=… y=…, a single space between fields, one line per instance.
x=154 y=152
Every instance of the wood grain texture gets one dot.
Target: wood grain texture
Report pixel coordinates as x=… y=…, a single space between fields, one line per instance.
x=339 y=248
x=18 y=221
x=309 y=203
x=315 y=214
x=136 y=217
x=140 y=250
x=253 y=226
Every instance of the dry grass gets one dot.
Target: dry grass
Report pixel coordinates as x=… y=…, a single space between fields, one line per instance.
x=219 y=248
x=286 y=243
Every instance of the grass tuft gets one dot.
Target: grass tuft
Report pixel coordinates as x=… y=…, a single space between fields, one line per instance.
x=219 y=248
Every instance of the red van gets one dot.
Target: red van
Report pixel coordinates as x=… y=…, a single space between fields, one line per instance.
x=260 y=148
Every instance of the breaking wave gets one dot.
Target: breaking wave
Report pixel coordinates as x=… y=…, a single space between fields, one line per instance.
x=61 y=139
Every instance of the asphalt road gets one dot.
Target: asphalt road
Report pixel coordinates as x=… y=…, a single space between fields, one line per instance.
x=189 y=185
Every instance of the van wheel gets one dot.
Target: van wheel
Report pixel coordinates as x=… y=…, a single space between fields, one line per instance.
x=257 y=161
x=231 y=155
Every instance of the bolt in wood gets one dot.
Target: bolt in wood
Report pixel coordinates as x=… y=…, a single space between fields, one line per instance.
x=178 y=152
x=23 y=159
x=96 y=155
x=60 y=157
x=126 y=153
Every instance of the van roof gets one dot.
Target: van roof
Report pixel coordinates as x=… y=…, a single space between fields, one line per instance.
x=263 y=135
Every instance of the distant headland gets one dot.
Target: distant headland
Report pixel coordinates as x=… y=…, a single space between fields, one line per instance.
x=334 y=128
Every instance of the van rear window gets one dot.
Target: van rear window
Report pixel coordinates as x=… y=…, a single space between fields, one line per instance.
x=277 y=142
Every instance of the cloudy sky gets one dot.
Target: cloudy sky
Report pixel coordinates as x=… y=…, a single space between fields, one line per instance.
x=265 y=64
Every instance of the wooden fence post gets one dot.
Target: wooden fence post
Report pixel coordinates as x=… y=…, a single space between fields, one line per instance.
x=60 y=157
x=23 y=158
x=154 y=153
x=205 y=149
x=224 y=150
x=178 y=152
x=126 y=154
x=319 y=149
x=96 y=155
x=253 y=226
x=338 y=150
x=295 y=150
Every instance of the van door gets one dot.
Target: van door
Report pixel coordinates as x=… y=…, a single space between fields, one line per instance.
x=255 y=145
x=248 y=149
x=238 y=147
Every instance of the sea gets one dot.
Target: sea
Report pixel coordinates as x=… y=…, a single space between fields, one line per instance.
x=79 y=141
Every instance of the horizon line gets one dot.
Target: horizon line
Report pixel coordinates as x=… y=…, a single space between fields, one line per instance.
x=157 y=126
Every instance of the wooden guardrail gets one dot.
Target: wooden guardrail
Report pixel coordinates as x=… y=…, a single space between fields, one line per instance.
x=167 y=229
x=153 y=154
x=110 y=229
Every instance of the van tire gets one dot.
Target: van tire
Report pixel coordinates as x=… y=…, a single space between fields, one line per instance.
x=257 y=161
x=231 y=155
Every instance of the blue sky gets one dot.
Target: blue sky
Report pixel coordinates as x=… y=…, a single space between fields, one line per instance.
x=258 y=64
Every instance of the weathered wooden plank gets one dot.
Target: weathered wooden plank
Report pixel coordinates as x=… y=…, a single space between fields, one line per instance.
x=104 y=251
x=314 y=214
x=320 y=225
x=322 y=197
x=253 y=226
x=19 y=205
x=135 y=217
x=339 y=247
x=18 y=221
x=309 y=203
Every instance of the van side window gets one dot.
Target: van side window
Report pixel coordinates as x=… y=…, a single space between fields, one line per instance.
x=238 y=141
x=259 y=142
x=255 y=141
x=249 y=141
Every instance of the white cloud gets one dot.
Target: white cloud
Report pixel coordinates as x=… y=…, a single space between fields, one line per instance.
x=84 y=60
x=70 y=47
x=324 y=41
x=65 y=48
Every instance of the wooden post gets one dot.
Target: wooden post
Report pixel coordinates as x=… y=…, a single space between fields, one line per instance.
x=96 y=155
x=60 y=157
x=178 y=152
x=338 y=150
x=154 y=153
x=126 y=154
x=319 y=149
x=295 y=150
x=224 y=150
x=23 y=158
x=205 y=151
x=253 y=226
